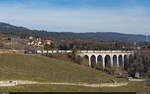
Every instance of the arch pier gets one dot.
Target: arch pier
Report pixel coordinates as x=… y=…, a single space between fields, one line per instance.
x=106 y=58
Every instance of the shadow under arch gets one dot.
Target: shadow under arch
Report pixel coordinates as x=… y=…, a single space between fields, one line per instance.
x=99 y=62
x=126 y=62
x=115 y=61
x=107 y=61
x=120 y=61
x=86 y=60
x=93 y=61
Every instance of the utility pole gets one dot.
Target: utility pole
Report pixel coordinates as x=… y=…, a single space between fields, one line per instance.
x=12 y=43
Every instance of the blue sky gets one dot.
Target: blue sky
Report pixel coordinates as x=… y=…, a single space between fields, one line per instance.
x=124 y=16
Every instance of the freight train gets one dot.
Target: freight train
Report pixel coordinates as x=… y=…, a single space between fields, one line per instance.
x=46 y=51
x=59 y=51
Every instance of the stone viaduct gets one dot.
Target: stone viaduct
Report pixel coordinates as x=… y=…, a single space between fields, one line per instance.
x=114 y=58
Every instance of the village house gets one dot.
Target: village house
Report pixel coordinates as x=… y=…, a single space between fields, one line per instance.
x=38 y=42
x=48 y=42
x=32 y=42
x=31 y=38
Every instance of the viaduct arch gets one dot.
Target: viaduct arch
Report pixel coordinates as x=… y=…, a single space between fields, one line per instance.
x=106 y=58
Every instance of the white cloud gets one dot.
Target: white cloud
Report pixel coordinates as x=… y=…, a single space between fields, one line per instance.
x=124 y=20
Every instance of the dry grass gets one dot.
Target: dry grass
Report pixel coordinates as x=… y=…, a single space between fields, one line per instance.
x=40 y=68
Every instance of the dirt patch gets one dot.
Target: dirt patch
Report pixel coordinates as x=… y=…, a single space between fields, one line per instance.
x=21 y=82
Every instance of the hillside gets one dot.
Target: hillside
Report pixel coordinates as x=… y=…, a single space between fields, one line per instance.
x=40 y=68
x=99 y=36
x=44 y=69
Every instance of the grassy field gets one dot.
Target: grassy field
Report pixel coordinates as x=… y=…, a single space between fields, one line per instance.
x=40 y=68
x=44 y=69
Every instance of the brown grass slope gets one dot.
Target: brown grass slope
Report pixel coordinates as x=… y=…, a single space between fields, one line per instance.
x=40 y=68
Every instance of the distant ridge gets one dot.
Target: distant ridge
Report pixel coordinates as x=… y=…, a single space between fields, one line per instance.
x=99 y=36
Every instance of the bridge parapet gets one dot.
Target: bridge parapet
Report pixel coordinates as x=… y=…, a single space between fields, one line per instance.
x=104 y=51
